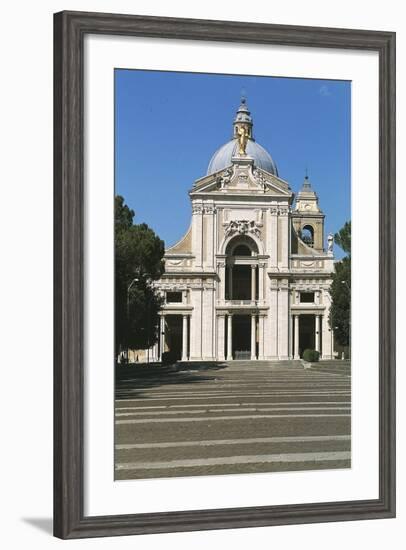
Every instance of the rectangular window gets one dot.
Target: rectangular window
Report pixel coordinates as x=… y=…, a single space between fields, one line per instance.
x=174 y=297
x=307 y=297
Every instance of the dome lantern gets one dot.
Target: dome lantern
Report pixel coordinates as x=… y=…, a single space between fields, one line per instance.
x=243 y=119
x=244 y=146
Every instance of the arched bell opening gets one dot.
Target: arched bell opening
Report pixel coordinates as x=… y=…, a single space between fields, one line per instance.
x=307 y=235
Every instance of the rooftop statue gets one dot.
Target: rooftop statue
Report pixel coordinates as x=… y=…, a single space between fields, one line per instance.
x=243 y=135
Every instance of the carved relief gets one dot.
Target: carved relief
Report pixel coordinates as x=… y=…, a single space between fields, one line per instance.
x=197 y=209
x=260 y=179
x=209 y=209
x=243 y=180
x=242 y=227
x=224 y=179
x=174 y=262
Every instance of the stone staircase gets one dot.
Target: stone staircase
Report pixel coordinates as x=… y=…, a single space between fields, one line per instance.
x=334 y=366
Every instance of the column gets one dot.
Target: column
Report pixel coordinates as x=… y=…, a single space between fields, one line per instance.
x=161 y=336
x=253 y=273
x=317 y=333
x=261 y=268
x=261 y=320
x=230 y=282
x=184 y=339
x=230 y=338
x=221 y=320
x=253 y=338
x=296 y=354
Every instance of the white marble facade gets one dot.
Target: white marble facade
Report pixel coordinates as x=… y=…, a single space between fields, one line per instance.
x=250 y=279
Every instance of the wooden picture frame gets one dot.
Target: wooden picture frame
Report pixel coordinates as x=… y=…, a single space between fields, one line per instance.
x=69 y=518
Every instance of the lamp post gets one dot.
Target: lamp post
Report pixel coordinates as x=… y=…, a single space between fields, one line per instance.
x=135 y=280
x=148 y=326
x=349 y=319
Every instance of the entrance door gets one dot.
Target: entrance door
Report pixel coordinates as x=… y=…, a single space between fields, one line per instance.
x=173 y=335
x=307 y=336
x=242 y=337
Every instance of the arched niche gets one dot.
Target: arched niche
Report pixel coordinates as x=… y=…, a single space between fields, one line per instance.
x=241 y=269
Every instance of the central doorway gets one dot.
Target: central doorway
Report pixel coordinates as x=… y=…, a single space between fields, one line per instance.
x=173 y=335
x=307 y=337
x=241 y=337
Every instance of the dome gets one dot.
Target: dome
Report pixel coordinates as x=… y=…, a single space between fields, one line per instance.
x=222 y=158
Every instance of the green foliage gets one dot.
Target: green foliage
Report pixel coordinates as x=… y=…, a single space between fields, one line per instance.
x=343 y=238
x=340 y=290
x=123 y=216
x=311 y=355
x=138 y=262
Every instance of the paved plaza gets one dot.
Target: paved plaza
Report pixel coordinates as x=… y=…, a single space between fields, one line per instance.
x=237 y=417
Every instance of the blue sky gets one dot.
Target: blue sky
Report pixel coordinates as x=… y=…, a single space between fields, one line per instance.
x=169 y=124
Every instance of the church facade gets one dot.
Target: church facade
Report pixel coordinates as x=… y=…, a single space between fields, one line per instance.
x=250 y=279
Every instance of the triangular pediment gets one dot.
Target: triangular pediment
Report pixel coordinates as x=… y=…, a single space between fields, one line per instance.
x=242 y=178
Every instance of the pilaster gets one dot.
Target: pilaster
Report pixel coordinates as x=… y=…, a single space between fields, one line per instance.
x=197 y=234
x=220 y=337
x=229 y=338
x=207 y=331
x=196 y=324
x=273 y=320
x=283 y=319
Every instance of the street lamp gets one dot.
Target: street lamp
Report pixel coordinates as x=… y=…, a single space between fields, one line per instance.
x=135 y=280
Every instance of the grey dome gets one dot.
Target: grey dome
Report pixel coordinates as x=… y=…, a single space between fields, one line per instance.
x=222 y=157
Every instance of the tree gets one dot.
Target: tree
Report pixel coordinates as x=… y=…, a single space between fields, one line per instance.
x=340 y=290
x=343 y=238
x=138 y=262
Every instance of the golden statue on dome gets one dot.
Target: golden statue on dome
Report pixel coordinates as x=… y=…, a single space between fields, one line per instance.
x=243 y=136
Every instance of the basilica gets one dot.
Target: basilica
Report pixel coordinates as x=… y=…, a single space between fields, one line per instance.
x=250 y=279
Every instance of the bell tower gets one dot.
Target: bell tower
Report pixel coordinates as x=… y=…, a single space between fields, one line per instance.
x=307 y=217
